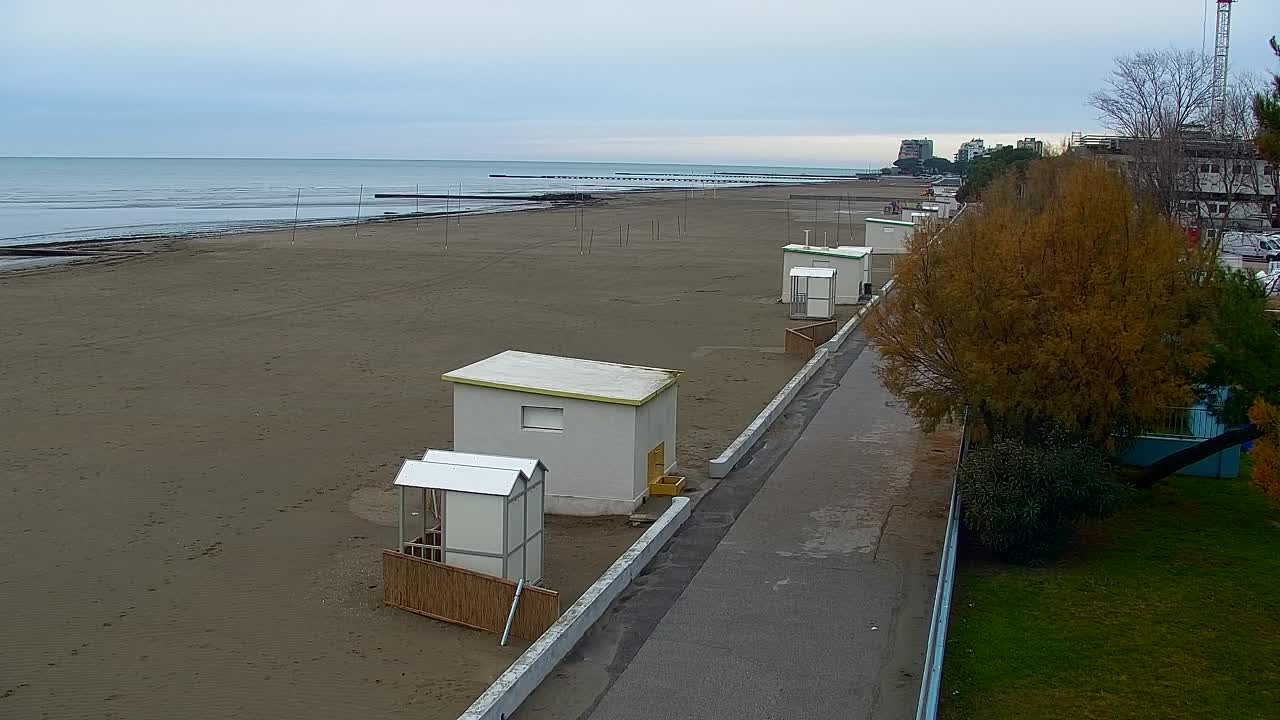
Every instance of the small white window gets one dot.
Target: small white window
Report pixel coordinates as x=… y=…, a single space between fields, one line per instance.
x=541 y=418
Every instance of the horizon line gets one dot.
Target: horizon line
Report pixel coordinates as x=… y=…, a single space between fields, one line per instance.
x=459 y=160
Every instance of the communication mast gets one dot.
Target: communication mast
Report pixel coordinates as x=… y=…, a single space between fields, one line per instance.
x=1220 y=52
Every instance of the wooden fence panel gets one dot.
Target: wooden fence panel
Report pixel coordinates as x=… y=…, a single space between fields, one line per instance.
x=465 y=597
x=797 y=344
x=804 y=340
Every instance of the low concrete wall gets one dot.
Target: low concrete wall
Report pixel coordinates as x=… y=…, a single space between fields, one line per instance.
x=530 y=669
x=721 y=465
x=1147 y=450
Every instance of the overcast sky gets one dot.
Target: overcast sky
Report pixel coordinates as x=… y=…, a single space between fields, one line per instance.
x=829 y=82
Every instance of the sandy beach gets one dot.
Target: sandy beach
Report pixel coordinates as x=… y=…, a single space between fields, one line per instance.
x=197 y=444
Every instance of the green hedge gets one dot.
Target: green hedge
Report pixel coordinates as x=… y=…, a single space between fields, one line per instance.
x=1023 y=502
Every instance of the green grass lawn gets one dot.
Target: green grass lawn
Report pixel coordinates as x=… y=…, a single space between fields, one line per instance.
x=1169 y=609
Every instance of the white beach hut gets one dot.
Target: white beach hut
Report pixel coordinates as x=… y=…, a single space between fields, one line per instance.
x=606 y=428
x=813 y=293
x=851 y=264
x=888 y=236
x=479 y=512
x=941 y=208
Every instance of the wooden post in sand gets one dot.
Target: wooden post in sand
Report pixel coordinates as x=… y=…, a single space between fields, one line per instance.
x=685 y=223
x=837 y=223
x=628 y=233
x=788 y=218
x=848 y=212
x=297 y=201
x=359 y=206
x=446 y=220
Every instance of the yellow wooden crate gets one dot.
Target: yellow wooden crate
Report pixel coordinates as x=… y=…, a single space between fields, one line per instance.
x=667 y=485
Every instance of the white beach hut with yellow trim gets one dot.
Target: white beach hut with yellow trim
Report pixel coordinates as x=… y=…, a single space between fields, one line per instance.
x=607 y=429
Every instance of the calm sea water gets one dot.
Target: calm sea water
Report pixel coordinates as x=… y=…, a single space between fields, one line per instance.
x=57 y=199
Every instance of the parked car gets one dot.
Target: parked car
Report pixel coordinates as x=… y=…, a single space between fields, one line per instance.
x=1251 y=245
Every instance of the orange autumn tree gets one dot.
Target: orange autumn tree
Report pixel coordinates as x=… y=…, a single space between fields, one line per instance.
x=1061 y=303
x=1266 y=451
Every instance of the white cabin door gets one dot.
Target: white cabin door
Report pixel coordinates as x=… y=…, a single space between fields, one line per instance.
x=818 y=300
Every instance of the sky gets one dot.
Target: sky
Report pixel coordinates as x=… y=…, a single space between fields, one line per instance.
x=834 y=83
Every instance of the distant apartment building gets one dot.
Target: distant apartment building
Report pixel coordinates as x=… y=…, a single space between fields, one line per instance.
x=1032 y=144
x=970 y=151
x=921 y=149
x=1219 y=184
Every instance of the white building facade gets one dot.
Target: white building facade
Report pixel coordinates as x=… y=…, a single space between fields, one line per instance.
x=1032 y=144
x=1220 y=184
x=971 y=150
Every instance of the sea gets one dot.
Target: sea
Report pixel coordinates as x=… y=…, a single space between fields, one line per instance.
x=54 y=200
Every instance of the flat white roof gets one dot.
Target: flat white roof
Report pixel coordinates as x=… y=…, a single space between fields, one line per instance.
x=458 y=478
x=566 y=377
x=887 y=221
x=813 y=272
x=450 y=457
x=849 y=251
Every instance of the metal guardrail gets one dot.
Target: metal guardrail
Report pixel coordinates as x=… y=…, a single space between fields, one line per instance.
x=935 y=652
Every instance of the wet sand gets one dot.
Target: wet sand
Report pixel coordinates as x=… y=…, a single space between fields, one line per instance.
x=196 y=445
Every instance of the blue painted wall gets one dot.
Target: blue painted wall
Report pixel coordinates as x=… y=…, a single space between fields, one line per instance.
x=1147 y=450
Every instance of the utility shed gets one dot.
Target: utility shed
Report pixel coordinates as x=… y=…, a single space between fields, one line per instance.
x=852 y=265
x=888 y=236
x=604 y=427
x=478 y=512
x=813 y=293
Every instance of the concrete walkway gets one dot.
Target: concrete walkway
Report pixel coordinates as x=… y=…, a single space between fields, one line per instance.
x=815 y=602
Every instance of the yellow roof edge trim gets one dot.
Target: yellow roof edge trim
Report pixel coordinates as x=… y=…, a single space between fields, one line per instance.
x=675 y=376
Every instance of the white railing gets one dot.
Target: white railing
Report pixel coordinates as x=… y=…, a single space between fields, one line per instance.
x=1186 y=422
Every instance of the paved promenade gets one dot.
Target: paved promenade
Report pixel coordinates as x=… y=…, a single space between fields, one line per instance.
x=813 y=604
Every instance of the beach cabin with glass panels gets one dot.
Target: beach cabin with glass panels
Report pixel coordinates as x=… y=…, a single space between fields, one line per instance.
x=813 y=293
x=851 y=264
x=479 y=512
x=607 y=429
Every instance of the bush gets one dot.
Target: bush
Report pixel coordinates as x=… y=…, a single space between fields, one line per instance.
x=1023 y=502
